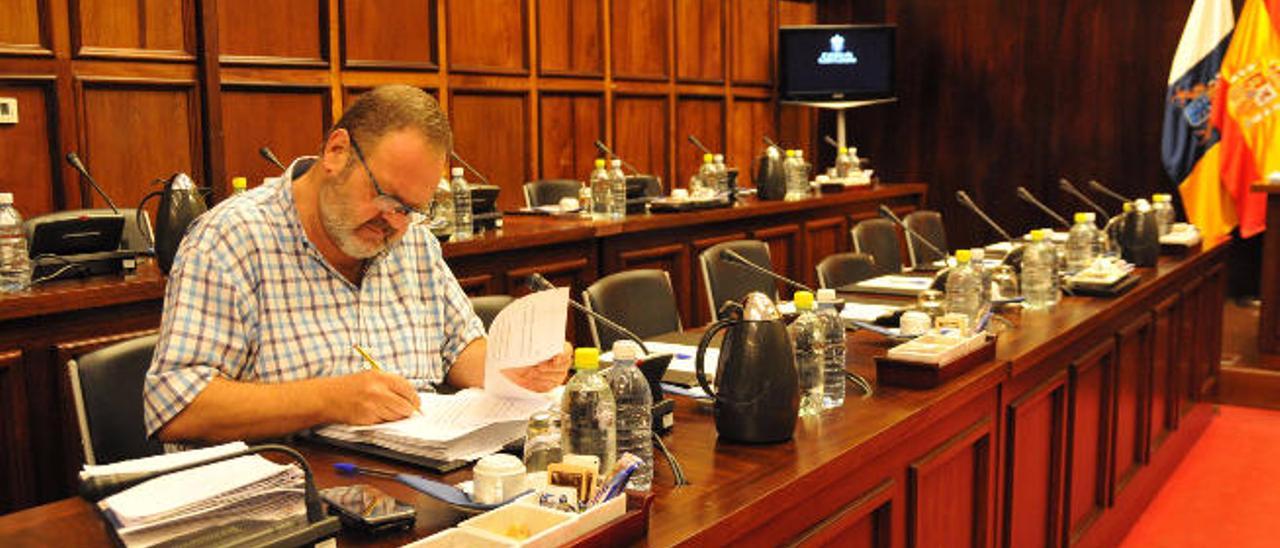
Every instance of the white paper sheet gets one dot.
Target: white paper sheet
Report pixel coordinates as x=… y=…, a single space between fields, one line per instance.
x=526 y=332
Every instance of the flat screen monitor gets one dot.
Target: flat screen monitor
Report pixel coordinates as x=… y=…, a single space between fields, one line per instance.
x=836 y=62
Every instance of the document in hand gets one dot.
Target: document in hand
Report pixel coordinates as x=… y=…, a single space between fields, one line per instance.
x=240 y=490
x=526 y=332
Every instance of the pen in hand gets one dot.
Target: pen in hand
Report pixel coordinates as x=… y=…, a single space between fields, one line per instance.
x=372 y=364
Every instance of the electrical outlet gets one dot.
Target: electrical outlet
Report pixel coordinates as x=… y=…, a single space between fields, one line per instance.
x=8 y=110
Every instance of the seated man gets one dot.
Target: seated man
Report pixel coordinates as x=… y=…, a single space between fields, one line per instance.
x=271 y=290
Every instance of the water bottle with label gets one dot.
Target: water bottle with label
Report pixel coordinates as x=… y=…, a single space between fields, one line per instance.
x=706 y=177
x=1162 y=204
x=442 y=209
x=15 y=261
x=600 y=190
x=833 y=362
x=617 y=190
x=809 y=341
x=1039 y=272
x=722 y=175
x=589 y=410
x=635 y=411
x=844 y=163
x=978 y=258
x=462 y=228
x=797 y=173
x=1081 y=242
x=964 y=292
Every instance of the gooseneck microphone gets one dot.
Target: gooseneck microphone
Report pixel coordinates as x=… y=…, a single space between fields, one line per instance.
x=74 y=160
x=609 y=152
x=473 y=170
x=1094 y=184
x=1027 y=197
x=966 y=201
x=271 y=157
x=734 y=258
x=1071 y=189
x=538 y=283
x=769 y=142
x=887 y=213
x=697 y=143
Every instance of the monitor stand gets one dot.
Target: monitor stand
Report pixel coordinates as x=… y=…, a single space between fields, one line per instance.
x=840 y=107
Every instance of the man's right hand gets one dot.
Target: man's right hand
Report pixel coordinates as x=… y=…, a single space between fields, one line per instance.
x=370 y=397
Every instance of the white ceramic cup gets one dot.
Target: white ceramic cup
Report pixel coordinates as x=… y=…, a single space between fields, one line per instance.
x=497 y=478
x=915 y=322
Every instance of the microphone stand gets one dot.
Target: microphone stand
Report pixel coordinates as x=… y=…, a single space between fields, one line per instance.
x=699 y=144
x=271 y=157
x=1071 y=189
x=1094 y=184
x=464 y=163
x=1027 y=197
x=607 y=152
x=738 y=260
x=74 y=160
x=887 y=213
x=963 y=198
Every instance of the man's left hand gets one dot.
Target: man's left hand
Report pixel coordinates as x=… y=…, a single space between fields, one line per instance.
x=545 y=375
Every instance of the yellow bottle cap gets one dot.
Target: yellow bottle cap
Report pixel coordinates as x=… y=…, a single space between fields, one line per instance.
x=1081 y=217
x=708 y=158
x=803 y=300
x=586 y=358
x=239 y=183
x=844 y=150
x=599 y=163
x=1128 y=207
x=1037 y=235
x=791 y=153
x=963 y=255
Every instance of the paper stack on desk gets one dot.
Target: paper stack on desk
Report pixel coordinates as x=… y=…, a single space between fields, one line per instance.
x=244 y=490
x=463 y=426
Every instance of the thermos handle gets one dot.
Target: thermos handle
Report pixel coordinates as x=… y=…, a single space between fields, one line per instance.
x=702 y=351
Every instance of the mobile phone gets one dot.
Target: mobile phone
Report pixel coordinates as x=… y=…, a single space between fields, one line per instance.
x=368 y=509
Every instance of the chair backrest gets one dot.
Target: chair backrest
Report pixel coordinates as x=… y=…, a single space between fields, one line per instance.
x=549 y=191
x=879 y=239
x=640 y=300
x=729 y=282
x=488 y=307
x=842 y=269
x=928 y=224
x=107 y=387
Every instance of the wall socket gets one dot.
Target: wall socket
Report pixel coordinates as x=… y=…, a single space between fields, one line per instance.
x=8 y=110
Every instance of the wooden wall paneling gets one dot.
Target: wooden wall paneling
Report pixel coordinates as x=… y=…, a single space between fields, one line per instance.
x=949 y=492
x=24 y=28
x=1035 y=438
x=35 y=181
x=1089 y=412
x=867 y=521
x=1133 y=369
x=704 y=118
x=133 y=132
x=274 y=32
x=571 y=37
x=1188 y=374
x=702 y=314
x=1163 y=358
x=641 y=31
x=18 y=491
x=700 y=40
x=390 y=34
x=569 y=125
x=490 y=132
x=796 y=129
x=823 y=238
x=749 y=120
x=751 y=35
x=786 y=252
x=675 y=260
x=1215 y=286
x=639 y=137
x=133 y=29
x=291 y=120
x=487 y=36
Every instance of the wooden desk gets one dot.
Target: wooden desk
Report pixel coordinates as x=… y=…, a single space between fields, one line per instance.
x=1269 y=284
x=41 y=329
x=1062 y=439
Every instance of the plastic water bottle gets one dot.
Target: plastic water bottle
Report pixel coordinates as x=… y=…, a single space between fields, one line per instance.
x=1103 y=246
x=809 y=340
x=1081 y=241
x=977 y=259
x=15 y=261
x=442 y=208
x=600 y=190
x=707 y=174
x=635 y=411
x=833 y=366
x=964 y=289
x=722 y=175
x=239 y=185
x=844 y=163
x=797 y=175
x=1162 y=204
x=1039 y=273
x=617 y=191
x=589 y=410
x=462 y=228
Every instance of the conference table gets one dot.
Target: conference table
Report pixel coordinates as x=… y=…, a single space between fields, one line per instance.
x=1062 y=439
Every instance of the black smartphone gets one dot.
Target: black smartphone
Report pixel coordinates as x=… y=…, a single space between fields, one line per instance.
x=368 y=509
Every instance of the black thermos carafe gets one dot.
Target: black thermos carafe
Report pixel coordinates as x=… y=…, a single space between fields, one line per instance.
x=180 y=203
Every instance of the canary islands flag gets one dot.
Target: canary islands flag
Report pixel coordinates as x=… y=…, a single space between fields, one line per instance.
x=1191 y=147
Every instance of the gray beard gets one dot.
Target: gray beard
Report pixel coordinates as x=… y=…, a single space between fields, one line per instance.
x=335 y=215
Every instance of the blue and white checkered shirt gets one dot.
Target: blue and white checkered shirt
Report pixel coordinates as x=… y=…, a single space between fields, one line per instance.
x=251 y=299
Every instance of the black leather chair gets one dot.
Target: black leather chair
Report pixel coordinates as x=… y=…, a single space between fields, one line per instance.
x=879 y=239
x=725 y=281
x=488 y=306
x=928 y=224
x=549 y=191
x=107 y=387
x=842 y=269
x=640 y=300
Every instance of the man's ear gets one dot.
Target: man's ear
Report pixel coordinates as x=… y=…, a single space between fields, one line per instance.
x=337 y=151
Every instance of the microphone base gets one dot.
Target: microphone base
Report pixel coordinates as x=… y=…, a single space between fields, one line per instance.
x=664 y=415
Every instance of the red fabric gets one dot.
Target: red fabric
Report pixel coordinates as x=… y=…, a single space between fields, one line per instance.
x=1239 y=170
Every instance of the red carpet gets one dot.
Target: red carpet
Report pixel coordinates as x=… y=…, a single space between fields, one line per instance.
x=1227 y=490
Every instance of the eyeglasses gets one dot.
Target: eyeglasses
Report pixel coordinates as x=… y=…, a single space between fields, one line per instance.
x=389 y=204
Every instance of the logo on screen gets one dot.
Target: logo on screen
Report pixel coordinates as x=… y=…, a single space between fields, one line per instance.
x=837 y=55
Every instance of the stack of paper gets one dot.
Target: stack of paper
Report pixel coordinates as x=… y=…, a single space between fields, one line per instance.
x=463 y=426
x=243 y=489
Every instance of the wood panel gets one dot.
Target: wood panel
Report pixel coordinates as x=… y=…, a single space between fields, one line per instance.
x=23 y=30
x=14 y=433
x=487 y=36
x=569 y=125
x=752 y=35
x=277 y=32
x=570 y=37
x=949 y=493
x=397 y=34
x=291 y=121
x=637 y=135
x=640 y=39
x=1215 y=291
x=133 y=28
x=490 y=131
x=1164 y=357
x=786 y=251
x=162 y=128
x=35 y=180
x=700 y=40
x=1033 y=475
x=750 y=119
x=1133 y=369
x=823 y=238
x=866 y=521
x=704 y=118
x=1089 y=417
x=1189 y=347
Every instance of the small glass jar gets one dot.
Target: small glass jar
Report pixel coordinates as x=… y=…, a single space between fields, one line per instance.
x=1005 y=283
x=542 y=441
x=932 y=302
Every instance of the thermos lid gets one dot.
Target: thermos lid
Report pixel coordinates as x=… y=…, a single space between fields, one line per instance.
x=757 y=306
x=182 y=181
x=586 y=358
